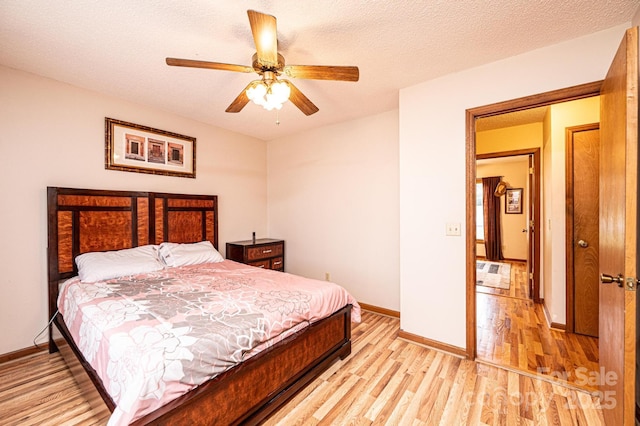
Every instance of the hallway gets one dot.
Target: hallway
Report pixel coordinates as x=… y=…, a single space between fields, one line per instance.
x=513 y=333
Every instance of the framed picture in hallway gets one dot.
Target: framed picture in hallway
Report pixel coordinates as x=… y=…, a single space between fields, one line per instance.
x=513 y=201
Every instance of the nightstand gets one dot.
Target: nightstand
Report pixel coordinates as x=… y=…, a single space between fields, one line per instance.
x=263 y=253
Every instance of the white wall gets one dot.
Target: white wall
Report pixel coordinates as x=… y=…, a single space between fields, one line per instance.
x=333 y=196
x=343 y=176
x=432 y=169
x=52 y=134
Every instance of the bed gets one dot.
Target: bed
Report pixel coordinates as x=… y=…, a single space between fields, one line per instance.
x=84 y=221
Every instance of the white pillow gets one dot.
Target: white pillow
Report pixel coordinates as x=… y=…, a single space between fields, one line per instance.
x=174 y=254
x=99 y=266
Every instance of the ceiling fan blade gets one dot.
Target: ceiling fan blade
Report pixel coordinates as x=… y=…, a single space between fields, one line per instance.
x=210 y=65
x=240 y=101
x=322 y=72
x=300 y=100
x=263 y=28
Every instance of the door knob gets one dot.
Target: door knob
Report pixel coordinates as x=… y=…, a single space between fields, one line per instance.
x=608 y=279
x=583 y=243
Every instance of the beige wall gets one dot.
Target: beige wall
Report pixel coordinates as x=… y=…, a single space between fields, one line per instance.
x=509 y=138
x=52 y=134
x=333 y=196
x=561 y=116
x=432 y=164
x=546 y=254
x=514 y=171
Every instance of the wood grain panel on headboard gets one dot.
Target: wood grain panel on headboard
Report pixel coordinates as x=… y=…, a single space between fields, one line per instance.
x=81 y=221
x=85 y=220
x=185 y=218
x=143 y=221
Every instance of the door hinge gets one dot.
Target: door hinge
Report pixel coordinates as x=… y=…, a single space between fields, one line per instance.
x=530 y=275
x=531 y=170
x=631 y=284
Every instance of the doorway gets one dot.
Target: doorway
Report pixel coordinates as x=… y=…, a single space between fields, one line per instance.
x=618 y=222
x=519 y=171
x=509 y=327
x=536 y=225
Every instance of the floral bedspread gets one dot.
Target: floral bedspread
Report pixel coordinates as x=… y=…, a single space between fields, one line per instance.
x=153 y=337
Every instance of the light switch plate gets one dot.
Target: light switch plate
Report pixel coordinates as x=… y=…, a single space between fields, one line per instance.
x=453 y=229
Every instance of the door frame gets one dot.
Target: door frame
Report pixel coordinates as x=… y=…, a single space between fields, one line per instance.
x=533 y=205
x=542 y=99
x=570 y=223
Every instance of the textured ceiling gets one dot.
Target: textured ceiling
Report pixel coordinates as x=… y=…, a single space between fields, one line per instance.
x=516 y=118
x=118 y=47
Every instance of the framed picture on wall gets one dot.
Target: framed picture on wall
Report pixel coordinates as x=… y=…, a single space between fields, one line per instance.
x=134 y=148
x=513 y=201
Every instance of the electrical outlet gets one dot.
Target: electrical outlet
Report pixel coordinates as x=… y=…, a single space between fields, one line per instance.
x=327 y=276
x=453 y=229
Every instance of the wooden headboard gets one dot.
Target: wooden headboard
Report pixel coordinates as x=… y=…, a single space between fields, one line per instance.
x=85 y=220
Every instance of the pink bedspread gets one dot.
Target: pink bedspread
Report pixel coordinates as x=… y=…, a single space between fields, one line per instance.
x=155 y=336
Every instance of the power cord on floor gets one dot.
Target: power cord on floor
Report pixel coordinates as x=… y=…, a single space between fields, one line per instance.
x=43 y=330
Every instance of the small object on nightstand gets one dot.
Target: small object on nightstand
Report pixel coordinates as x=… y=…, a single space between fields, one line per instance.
x=253 y=238
x=262 y=252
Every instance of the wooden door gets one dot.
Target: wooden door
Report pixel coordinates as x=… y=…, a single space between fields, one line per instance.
x=583 y=153
x=534 y=223
x=531 y=260
x=618 y=232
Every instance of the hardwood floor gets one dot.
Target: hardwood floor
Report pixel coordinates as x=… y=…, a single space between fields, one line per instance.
x=513 y=332
x=40 y=390
x=385 y=380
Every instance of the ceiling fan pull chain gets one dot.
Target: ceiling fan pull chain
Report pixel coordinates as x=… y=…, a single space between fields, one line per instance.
x=277 y=117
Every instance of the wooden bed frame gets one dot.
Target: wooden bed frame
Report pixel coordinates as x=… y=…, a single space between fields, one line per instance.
x=84 y=220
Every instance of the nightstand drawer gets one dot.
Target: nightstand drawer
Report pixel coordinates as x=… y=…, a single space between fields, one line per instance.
x=277 y=263
x=271 y=250
x=261 y=264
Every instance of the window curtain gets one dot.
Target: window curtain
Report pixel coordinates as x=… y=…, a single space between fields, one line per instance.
x=491 y=203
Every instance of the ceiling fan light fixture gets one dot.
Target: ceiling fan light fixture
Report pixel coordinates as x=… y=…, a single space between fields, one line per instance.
x=269 y=95
x=269 y=63
x=279 y=92
x=256 y=91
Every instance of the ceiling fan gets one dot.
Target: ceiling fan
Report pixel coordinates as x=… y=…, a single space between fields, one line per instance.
x=270 y=91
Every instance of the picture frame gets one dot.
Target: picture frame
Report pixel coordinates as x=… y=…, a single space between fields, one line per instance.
x=132 y=147
x=513 y=201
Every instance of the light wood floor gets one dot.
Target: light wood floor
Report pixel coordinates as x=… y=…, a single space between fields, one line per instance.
x=385 y=380
x=513 y=332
